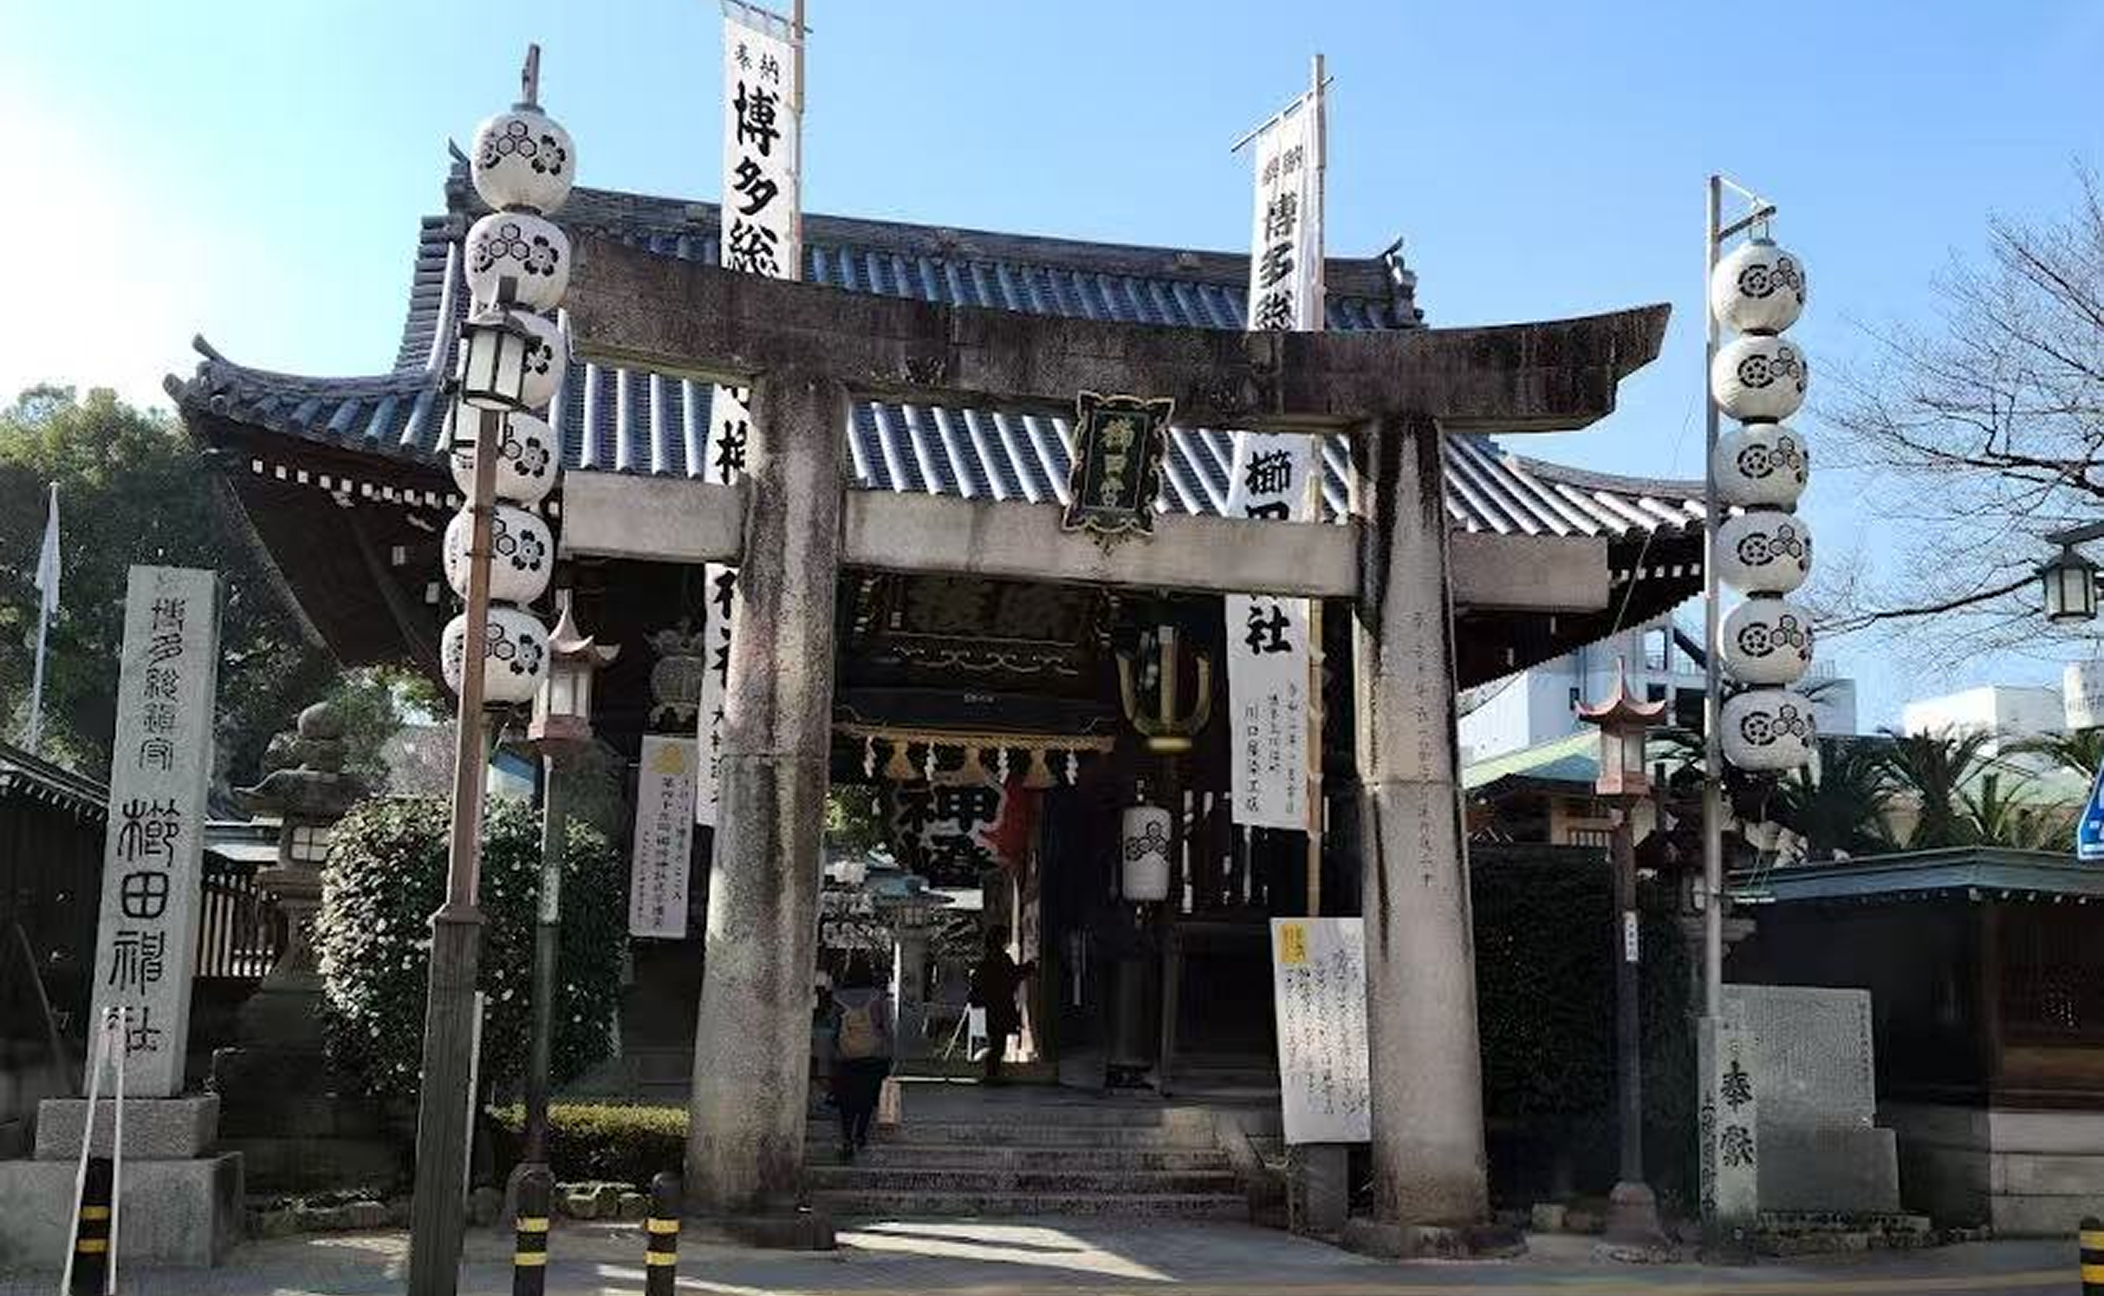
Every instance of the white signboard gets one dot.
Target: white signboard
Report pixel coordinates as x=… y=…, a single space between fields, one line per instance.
x=664 y=838
x=762 y=233
x=2082 y=694
x=1271 y=479
x=1318 y=971
x=152 y=871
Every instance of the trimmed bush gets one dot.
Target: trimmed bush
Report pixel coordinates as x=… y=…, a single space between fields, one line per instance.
x=605 y=1143
x=386 y=876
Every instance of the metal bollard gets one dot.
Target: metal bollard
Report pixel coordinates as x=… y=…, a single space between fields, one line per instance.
x=2091 y=1241
x=91 y=1245
x=529 y=1258
x=661 y=1247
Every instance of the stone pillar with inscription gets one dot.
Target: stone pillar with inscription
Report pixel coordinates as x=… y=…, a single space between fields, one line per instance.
x=181 y=1198
x=745 y=1153
x=1428 y=1160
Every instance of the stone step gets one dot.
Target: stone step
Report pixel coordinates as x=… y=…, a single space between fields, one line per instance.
x=1002 y=1134
x=1050 y=1178
x=916 y=1205
x=906 y=1156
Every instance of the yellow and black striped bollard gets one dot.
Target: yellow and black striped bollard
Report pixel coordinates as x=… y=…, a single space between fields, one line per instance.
x=661 y=1247
x=529 y=1259
x=91 y=1243
x=2091 y=1240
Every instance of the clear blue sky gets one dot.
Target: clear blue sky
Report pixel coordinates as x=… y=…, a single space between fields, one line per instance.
x=254 y=171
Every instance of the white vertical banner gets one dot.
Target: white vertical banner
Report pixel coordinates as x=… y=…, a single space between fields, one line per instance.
x=1274 y=478
x=762 y=233
x=160 y=770
x=1318 y=970
x=664 y=838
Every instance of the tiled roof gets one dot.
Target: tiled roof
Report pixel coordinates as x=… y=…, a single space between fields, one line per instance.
x=22 y=774
x=630 y=421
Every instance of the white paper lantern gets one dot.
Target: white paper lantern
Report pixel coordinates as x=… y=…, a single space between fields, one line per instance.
x=516 y=655
x=1764 y=552
x=1761 y=464
x=1767 y=641
x=1759 y=379
x=515 y=258
x=1757 y=288
x=2082 y=694
x=1768 y=729
x=545 y=362
x=522 y=554
x=522 y=159
x=527 y=457
x=1144 y=837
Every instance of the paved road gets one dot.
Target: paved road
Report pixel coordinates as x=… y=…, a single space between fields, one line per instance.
x=1076 y=1258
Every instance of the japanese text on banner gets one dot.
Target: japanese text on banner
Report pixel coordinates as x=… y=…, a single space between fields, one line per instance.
x=1270 y=480
x=762 y=233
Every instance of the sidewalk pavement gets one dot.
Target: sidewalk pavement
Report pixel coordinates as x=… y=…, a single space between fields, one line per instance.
x=1078 y=1258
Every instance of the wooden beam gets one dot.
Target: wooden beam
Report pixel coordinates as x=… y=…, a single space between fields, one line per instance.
x=665 y=519
x=631 y=307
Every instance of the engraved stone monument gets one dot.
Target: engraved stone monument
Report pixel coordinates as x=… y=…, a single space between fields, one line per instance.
x=1821 y=1149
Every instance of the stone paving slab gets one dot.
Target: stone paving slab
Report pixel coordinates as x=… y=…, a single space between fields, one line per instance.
x=1078 y=1258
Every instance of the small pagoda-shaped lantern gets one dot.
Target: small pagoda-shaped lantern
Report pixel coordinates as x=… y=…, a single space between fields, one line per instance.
x=1624 y=723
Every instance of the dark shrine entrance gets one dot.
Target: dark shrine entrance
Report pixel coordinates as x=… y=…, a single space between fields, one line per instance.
x=993 y=722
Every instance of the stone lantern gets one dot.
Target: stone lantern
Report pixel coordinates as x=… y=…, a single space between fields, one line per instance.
x=307 y=798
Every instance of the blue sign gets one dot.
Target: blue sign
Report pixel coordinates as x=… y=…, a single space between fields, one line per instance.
x=2089 y=834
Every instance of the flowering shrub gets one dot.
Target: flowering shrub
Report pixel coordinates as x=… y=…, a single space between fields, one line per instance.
x=386 y=876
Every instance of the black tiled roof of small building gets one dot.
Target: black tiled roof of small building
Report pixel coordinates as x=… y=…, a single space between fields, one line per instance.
x=631 y=421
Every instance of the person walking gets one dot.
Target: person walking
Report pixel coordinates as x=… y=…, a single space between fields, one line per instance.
x=995 y=981
x=862 y=1034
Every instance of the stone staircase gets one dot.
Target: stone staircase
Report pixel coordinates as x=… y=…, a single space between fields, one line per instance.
x=1128 y=1159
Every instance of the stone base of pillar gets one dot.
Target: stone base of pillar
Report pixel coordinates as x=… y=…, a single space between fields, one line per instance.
x=1632 y=1217
x=180 y=1202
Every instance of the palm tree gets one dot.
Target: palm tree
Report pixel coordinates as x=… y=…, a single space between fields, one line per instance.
x=1841 y=810
x=1936 y=769
x=2081 y=752
x=1993 y=818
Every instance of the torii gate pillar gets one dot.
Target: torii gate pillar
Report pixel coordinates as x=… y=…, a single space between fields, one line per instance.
x=1424 y=1061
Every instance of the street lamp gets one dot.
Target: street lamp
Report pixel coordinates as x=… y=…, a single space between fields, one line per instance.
x=561 y=727
x=2070 y=582
x=1624 y=780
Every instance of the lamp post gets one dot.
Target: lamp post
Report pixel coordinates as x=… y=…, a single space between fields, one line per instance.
x=560 y=729
x=1624 y=780
x=511 y=360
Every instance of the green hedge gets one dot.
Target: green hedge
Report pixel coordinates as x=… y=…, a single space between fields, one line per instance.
x=386 y=876
x=1545 y=941
x=606 y=1143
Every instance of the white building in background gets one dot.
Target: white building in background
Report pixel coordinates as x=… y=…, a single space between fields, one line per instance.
x=1540 y=704
x=2010 y=712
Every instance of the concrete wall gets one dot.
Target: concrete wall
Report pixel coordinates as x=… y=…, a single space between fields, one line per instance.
x=2027 y=1173
x=1999 y=708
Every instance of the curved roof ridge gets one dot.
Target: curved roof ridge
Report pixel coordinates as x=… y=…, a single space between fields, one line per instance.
x=634 y=213
x=1593 y=479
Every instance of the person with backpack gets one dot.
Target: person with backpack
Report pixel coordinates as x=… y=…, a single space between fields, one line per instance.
x=861 y=1053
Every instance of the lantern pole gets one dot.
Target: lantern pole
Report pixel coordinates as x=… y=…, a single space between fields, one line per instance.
x=437 y=1213
x=1715 y=232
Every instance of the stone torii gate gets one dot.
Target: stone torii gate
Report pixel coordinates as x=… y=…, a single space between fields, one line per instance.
x=792 y=524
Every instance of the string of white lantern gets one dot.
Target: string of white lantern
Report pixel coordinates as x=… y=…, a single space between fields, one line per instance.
x=517 y=265
x=1760 y=467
